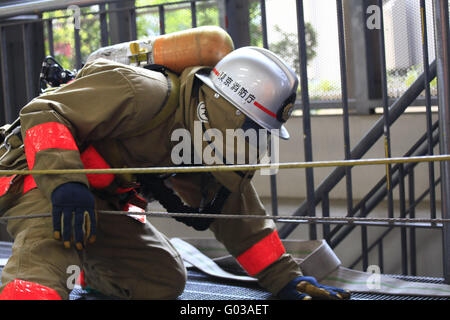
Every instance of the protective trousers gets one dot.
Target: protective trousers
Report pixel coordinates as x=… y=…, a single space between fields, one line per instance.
x=129 y=260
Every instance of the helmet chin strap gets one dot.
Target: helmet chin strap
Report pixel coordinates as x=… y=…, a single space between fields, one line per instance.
x=247 y=125
x=250 y=124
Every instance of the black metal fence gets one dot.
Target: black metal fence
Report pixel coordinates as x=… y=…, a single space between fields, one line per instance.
x=395 y=176
x=24 y=42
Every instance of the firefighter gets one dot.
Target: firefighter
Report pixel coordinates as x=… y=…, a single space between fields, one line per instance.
x=115 y=115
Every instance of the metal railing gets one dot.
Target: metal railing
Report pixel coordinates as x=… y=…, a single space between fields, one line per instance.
x=315 y=195
x=394 y=175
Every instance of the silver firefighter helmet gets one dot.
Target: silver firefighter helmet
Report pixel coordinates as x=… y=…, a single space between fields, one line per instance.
x=258 y=83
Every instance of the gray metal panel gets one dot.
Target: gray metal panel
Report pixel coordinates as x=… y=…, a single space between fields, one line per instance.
x=4 y=67
x=119 y=21
x=362 y=56
x=27 y=61
x=428 y=106
x=22 y=53
x=237 y=22
x=345 y=104
x=307 y=140
x=386 y=112
x=104 y=36
x=443 y=73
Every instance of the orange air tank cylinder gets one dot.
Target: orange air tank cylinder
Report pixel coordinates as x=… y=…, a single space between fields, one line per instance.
x=201 y=46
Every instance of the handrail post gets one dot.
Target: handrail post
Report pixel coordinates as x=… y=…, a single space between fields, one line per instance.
x=441 y=17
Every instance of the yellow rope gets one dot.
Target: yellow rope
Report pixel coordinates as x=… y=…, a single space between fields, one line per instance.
x=244 y=167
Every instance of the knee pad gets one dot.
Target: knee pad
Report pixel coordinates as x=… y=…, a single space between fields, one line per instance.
x=26 y=290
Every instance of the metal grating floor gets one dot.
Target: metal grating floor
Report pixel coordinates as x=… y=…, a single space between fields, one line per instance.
x=200 y=286
x=203 y=287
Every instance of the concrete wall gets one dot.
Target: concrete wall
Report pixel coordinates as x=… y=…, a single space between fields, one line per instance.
x=428 y=241
x=328 y=144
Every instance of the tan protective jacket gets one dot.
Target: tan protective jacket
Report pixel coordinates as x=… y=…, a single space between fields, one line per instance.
x=106 y=105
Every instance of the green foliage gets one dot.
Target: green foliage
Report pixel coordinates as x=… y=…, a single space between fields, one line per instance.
x=90 y=36
x=63 y=35
x=325 y=85
x=413 y=73
x=63 y=40
x=400 y=80
x=255 y=25
x=324 y=89
x=207 y=15
x=177 y=17
x=287 y=47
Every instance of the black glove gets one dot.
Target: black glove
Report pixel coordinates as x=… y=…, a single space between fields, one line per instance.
x=154 y=187
x=73 y=207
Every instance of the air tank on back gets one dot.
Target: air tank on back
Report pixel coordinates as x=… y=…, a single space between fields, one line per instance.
x=201 y=46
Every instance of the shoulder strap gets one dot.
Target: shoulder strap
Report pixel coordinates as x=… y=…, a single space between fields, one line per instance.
x=168 y=109
x=194 y=82
x=169 y=106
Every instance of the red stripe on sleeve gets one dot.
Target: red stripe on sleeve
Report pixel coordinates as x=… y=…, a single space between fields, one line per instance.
x=262 y=254
x=28 y=184
x=93 y=160
x=5 y=184
x=50 y=135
